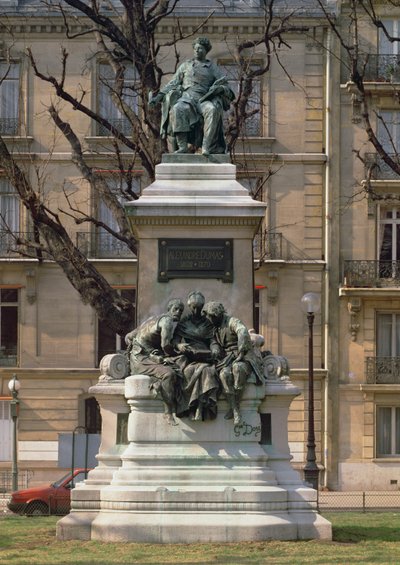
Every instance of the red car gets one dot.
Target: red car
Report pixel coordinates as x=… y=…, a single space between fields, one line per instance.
x=45 y=500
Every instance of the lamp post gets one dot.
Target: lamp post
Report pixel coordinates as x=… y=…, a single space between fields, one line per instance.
x=13 y=386
x=310 y=304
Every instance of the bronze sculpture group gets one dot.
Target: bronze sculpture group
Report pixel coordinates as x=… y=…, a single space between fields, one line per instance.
x=195 y=359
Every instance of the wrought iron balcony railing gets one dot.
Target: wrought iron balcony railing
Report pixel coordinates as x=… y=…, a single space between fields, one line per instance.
x=382 y=68
x=15 y=243
x=380 y=170
x=121 y=124
x=8 y=359
x=383 y=370
x=371 y=274
x=8 y=126
x=267 y=245
x=102 y=245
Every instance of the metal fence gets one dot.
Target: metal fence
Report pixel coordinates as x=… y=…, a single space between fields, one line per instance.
x=359 y=501
x=24 y=477
x=55 y=506
x=332 y=501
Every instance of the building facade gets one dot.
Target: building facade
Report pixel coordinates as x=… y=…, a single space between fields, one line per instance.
x=298 y=151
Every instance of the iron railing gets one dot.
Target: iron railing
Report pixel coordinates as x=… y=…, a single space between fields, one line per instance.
x=267 y=245
x=8 y=358
x=6 y=479
x=13 y=243
x=359 y=501
x=379 y=169
x=371 y=274
x=8 y=126
x=383 y=370
x=121 y=124
x=102 y=245
x=382 y=68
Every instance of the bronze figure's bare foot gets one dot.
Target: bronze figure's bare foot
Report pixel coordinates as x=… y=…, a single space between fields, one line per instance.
x=171 y=420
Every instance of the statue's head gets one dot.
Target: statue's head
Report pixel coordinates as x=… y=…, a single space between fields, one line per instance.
x=214 y=311
x=195 y=301
x=196 y=297
x=204 y=41
x=175 y=308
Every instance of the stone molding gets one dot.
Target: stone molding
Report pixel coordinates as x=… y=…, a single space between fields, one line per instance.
x=198 y=221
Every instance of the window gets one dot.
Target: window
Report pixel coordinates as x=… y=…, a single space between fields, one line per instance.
x=387 y=431
x=5 y=430
x=387 y=47
x=389 y=242
x=252 y=126
x=9 y=98
x=8 y=327
x=389 y=130
x=106 y=105
x=106 y=244
x=9 y=215
x=388 y=335
x=107 y=340
x=388 y=134
x=385 y=367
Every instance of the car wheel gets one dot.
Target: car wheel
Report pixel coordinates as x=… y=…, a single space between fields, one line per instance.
x=37 y=508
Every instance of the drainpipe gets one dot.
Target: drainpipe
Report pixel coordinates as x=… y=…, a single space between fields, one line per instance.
x=327 y=234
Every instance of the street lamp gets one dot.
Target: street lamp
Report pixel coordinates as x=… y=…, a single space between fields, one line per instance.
x=13 y=386
x=311 y=303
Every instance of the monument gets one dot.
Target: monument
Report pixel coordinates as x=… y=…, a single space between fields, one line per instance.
x=206 y=456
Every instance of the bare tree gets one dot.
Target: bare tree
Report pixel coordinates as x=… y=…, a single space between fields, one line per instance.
x=127 y=42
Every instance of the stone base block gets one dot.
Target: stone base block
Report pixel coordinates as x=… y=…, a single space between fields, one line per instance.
x=77 y=525
x=188 y=527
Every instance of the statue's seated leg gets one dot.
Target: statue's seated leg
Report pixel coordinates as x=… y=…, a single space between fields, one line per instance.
x=164 y=388
x=226 y=378
x=211 y=116
x=182 y=143
x=240 y=371
x=180 y=125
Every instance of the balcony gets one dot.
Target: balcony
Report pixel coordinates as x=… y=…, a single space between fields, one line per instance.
x=8 y=126
x=16 y=244
x=371 y=274
x=102 y=246
x=380 y=170
x=383 y=370
x=267 y=246
x=8 y=358
x=382 y=68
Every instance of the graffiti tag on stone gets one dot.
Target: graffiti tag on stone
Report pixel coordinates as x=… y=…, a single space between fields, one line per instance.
x=244 y=429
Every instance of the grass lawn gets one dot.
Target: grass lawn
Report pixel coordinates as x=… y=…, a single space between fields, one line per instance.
x=357 y=538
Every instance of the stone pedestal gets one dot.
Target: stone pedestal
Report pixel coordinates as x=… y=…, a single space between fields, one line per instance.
x=198 y=481
x=195 y=198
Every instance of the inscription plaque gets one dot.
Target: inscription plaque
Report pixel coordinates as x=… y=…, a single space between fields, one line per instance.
x=195 y=258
